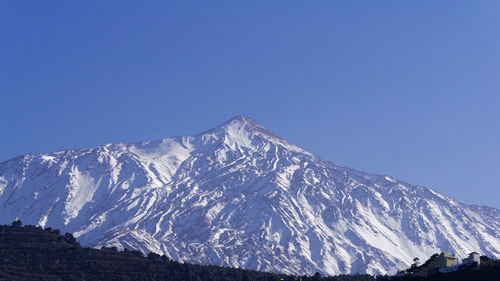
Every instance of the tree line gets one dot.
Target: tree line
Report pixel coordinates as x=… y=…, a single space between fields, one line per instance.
x=34 y=253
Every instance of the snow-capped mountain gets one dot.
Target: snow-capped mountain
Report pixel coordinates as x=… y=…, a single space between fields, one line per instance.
x=240 y=196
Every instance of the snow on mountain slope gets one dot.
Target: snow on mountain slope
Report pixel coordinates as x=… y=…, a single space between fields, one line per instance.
x=240 y=196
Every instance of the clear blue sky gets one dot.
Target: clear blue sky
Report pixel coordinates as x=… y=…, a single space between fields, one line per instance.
x=405 y=88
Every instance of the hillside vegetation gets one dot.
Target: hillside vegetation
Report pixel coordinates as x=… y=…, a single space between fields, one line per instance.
x=32 y=253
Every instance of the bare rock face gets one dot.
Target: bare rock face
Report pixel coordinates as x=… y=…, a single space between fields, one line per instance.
x=240 y=196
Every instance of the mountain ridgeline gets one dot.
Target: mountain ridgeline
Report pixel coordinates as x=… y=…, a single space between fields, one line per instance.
x=240 y=196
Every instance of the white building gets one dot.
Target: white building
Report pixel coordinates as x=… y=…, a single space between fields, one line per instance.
x=473 y=257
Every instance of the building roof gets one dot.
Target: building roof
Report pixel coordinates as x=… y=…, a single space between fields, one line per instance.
x=448 y=255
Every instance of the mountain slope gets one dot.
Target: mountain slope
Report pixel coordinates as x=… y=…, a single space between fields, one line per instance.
x=239 y=195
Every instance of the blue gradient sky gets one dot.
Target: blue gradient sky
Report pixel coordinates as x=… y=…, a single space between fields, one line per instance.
x=405 y=88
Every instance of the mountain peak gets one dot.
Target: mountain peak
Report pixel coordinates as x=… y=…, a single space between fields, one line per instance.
x=242 y=129
x=243 y=124
x=241 y=118
x=240 y=196
x=240 y=123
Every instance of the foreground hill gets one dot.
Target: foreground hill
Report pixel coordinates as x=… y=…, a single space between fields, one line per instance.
x=33 y=253
x=240 y=196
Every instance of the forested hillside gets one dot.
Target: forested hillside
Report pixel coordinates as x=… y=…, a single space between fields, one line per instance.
x=32 y=253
